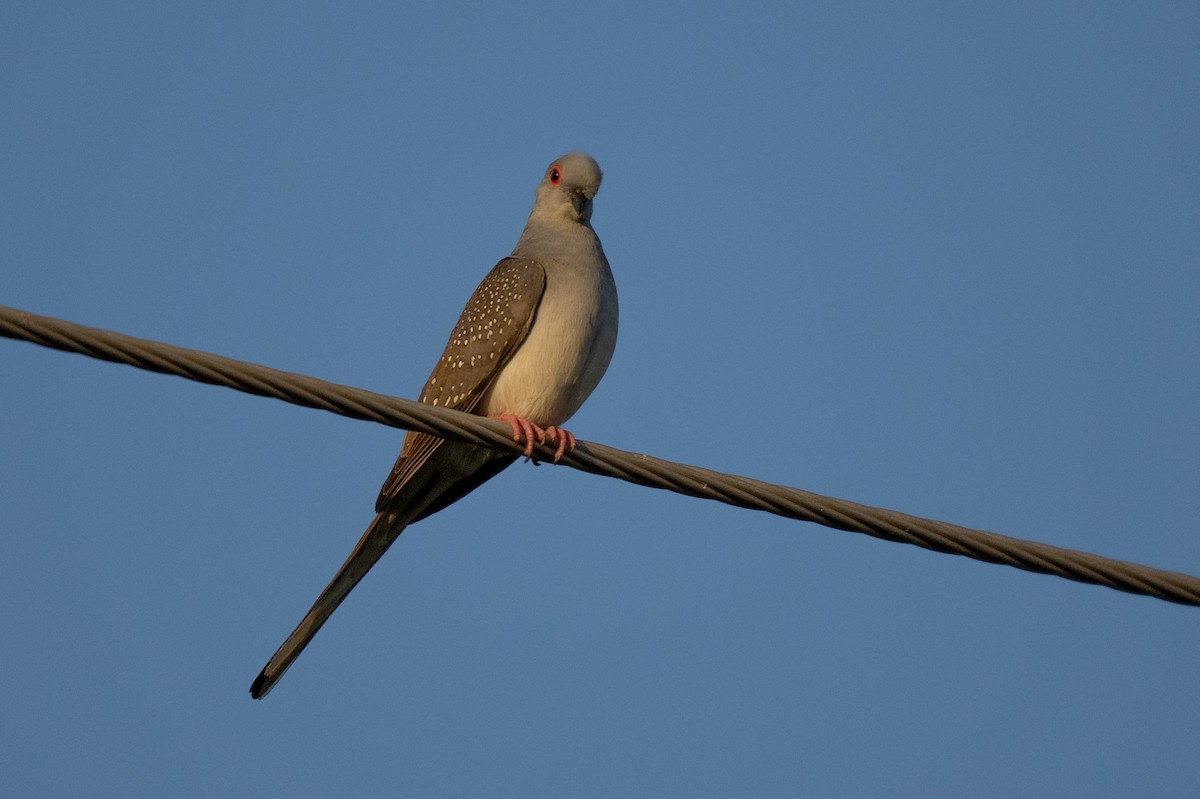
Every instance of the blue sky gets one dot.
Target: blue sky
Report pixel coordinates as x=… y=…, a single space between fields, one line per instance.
x=936 y=257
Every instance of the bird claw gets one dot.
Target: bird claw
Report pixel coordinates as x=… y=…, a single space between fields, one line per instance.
x=563 y=441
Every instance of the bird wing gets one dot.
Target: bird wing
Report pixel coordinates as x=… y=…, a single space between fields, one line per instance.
x=431 y=472
x=491 y=328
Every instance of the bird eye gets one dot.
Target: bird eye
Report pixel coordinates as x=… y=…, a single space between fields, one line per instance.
x=555 y=176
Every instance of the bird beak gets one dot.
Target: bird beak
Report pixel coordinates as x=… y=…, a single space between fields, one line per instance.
x=582 y=203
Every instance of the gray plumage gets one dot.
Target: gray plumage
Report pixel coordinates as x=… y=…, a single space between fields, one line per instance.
x=532 y=343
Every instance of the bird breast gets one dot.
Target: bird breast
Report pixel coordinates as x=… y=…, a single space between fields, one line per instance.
x=566 y=351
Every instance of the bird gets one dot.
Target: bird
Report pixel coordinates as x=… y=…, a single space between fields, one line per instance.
x=532 y=343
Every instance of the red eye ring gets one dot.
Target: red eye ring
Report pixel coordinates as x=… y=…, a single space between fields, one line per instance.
x=555 y=175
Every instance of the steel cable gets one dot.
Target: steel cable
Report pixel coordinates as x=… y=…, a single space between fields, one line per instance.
x=643 y=470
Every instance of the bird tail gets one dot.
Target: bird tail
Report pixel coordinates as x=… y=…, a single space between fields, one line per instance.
x=385 y=528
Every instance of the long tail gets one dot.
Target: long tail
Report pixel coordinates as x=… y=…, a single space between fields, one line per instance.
x=380 y=533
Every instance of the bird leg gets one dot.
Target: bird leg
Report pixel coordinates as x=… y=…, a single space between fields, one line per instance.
x=562 y=440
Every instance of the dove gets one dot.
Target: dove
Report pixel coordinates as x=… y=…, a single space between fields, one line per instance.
x=532 y=343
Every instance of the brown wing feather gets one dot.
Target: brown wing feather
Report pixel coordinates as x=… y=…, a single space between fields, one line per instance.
x=491 y=327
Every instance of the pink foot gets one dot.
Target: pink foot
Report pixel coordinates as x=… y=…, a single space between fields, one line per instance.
x=562 y=440
x=522 y=429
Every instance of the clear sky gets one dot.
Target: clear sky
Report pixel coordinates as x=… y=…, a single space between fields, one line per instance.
x=937 y=257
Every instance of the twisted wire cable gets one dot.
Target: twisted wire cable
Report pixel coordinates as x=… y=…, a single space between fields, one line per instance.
x=643 y=470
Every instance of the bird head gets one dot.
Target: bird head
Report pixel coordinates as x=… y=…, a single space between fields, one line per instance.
x=568 y=187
